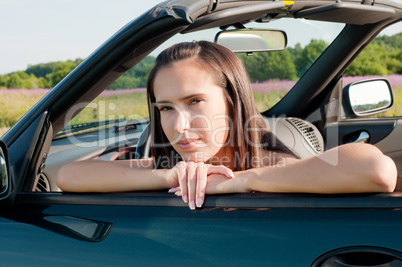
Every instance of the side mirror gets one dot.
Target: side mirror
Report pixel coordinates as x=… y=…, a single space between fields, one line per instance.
x=5 y=183
x=252 y=40
x=366 y=98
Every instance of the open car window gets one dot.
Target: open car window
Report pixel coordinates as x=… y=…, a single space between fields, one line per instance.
x=108 y=127
x=272 y=74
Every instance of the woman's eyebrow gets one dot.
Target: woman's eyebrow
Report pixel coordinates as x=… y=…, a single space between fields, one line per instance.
x=181 y=99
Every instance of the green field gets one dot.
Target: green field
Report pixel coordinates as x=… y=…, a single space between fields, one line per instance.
x=131 y=106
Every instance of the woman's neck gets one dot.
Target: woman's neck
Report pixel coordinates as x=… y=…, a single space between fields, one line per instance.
x=224 y=157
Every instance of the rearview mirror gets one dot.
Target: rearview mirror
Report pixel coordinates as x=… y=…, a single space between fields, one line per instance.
x=252 y=40
x=366 y=98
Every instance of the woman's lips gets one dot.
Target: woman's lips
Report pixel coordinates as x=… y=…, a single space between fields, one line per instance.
x=186 y=144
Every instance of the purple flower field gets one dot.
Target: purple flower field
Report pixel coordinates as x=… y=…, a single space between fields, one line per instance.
x=394 y=79
x=258 y=87
x=272 y=85
x=43 y=91
x=109 y=93
x=16 y=102
x=285 y=85
x=32 y=92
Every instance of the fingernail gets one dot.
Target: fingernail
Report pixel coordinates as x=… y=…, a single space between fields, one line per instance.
x=199 y=202
x=185 y=198
x=170 y=190
x=192 y=205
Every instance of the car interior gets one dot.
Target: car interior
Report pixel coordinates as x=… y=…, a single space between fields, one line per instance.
x=315 y=106
x=315 y=115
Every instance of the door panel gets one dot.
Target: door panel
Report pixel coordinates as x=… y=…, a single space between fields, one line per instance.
x=166 y=236
x=392 y=145
x=349 y=131
x=386 y=134
x=393 y=142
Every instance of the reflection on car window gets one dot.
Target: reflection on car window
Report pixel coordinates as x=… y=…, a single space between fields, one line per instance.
x=272 y=74
x=382 y=58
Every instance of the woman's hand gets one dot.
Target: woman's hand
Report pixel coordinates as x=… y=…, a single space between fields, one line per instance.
x=192 y=180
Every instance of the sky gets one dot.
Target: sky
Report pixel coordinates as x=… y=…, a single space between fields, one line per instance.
x=42 y=31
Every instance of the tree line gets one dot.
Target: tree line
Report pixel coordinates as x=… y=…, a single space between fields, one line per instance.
x=44 y=75
x=383 y=56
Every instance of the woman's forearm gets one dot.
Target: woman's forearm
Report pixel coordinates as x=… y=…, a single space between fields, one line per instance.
x=346 y=169
x=101 y=176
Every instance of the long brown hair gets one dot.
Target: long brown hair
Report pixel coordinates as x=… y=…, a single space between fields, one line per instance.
x=228 y=71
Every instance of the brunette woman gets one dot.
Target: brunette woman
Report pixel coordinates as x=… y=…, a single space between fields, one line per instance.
x=208 y=137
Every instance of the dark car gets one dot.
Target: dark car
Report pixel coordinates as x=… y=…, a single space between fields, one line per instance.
x=318 y=108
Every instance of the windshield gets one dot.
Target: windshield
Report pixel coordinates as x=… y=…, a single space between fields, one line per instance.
x=272 y=74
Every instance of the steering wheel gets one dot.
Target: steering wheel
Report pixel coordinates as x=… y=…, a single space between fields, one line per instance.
x=143 y=150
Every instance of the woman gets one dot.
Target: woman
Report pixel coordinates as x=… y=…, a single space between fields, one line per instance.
x=208 y=137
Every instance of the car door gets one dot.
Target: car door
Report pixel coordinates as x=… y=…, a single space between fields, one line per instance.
x=157 y=229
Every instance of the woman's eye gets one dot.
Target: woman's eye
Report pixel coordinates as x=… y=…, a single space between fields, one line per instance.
x=165 y=108
x=195 y=101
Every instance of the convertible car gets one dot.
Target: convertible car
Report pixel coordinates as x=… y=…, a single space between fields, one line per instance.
x=319 y=108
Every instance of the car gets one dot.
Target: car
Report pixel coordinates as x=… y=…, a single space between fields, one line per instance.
x=41 y=225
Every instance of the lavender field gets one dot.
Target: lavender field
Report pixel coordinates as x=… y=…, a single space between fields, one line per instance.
x=131 y=103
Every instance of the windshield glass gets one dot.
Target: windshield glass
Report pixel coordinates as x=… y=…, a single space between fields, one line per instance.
x=272 y=74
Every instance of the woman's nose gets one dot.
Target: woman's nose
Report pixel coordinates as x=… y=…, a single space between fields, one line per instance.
x=182 y=121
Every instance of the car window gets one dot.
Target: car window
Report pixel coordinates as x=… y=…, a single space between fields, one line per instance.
x=272 y=74
x=382 y=58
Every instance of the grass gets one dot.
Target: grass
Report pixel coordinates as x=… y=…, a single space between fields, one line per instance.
x=265 y=101
x=131 y=104
x=13 y=105
x=396 y=109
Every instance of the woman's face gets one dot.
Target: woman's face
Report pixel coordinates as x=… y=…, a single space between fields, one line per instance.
x=193 y=111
